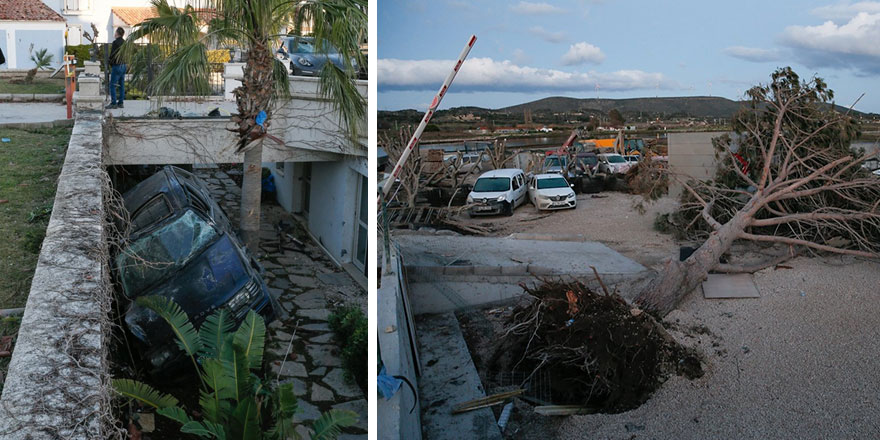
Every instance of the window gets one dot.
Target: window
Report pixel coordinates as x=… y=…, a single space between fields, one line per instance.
x=360 y=256
x=492 y=184
x=77 y=6
x=516 y=182
x=150 y=213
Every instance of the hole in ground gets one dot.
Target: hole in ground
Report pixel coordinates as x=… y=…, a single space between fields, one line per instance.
x=568 y=345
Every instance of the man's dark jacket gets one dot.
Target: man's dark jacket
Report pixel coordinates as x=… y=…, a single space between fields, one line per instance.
x=114 y=51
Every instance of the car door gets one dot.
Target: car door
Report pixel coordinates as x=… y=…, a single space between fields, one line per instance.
x=521 y=197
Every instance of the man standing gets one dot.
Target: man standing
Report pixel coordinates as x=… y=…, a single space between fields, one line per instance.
x=117 y=71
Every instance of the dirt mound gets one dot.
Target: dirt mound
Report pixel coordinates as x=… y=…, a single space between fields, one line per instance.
x=597 y=350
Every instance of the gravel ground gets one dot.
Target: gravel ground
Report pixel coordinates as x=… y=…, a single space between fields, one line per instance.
x=610 y=219
x=798 y=362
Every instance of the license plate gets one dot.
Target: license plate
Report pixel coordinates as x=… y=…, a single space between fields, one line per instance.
x=484 y=208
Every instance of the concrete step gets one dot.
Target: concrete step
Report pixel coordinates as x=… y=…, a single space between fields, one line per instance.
x=449 y=377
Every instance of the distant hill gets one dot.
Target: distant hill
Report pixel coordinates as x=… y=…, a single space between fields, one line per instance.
x=695 y=106
x=690 y=106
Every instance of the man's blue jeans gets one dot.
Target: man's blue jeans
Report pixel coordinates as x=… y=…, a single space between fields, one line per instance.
x=117 y=78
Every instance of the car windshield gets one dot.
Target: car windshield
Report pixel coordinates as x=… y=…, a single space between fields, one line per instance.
x=554 y=162
x=306 y=45
x=153 y=256
x=492 y=184
x=615 y=159
x=588 y=160
x=555 y=182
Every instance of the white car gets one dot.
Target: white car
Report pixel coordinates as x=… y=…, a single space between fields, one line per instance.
x=551 y=191
x=614 y=164
x=498 y=192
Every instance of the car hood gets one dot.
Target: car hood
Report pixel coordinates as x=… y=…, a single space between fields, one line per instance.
x=547 y=192
x=206 y=283
x=487 y=195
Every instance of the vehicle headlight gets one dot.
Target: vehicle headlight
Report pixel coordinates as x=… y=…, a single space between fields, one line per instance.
x=160 y=357
x=304 y=62
x=244 y=296
x=570 y=195
x=500 y=198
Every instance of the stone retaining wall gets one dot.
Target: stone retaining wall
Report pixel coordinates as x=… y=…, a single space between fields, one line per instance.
x=57 y=384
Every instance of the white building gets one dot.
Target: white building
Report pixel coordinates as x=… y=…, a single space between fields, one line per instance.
x=81 y=14
x=26 y=27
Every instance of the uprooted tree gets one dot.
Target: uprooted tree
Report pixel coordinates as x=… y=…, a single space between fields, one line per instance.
x=786 y=176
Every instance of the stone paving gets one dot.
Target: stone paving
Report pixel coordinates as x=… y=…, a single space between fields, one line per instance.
x=308 y=286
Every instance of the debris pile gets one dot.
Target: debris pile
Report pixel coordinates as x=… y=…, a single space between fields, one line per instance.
x=600 y=353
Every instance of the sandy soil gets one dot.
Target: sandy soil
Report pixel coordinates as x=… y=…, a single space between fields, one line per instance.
x=801 y=361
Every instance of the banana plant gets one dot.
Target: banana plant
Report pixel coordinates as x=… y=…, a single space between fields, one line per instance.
x=234 y=402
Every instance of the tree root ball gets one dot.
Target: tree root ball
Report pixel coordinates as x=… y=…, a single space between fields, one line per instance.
x=598 y=351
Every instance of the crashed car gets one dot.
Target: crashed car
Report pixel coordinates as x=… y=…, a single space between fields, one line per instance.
x=181 y=246
x=497 y=192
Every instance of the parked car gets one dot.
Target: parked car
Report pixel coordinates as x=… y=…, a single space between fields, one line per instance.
x=469 y=161
x=551 y=191
x=613 y=164
x=182 y=246
x=302 y=58
x=586 y=163
x=498 y=192
x=633 y=158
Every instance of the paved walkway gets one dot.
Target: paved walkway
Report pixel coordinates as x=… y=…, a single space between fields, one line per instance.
x=308 y=285
x=19 y=112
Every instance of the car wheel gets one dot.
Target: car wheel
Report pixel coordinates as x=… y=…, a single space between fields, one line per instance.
x=508 y=209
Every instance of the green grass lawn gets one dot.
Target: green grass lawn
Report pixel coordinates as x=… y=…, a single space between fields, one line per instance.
x=29 y=167
x=40 y=85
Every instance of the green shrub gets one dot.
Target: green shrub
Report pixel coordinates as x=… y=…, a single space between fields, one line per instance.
x=234 y=402
x=350 y=326
x=81 y=52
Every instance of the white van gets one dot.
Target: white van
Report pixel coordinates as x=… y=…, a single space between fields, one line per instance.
x=498 y=192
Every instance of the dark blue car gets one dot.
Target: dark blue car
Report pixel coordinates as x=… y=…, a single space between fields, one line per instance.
x=182 y=246
x=302 y=57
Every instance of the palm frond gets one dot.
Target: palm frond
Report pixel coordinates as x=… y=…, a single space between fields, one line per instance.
x=175 y=413
x=214 y=331
x=187 y=337
x=236 y=369
x=251 y=338
x=246 y=425
x=204 y=430
x=185 y=72
x=143 y=393
x=330 y=424
x=280 y=80
x=337 y=86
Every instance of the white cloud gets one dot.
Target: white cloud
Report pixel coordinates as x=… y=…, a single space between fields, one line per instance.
x=521 y=57
x=752 y=53
x=850 y=45
x=583 y=52
x=844 y=11
x=488 y=75
x=551 y=37
x=526 y=8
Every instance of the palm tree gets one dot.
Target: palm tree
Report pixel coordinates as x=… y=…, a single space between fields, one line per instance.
x=182 y=36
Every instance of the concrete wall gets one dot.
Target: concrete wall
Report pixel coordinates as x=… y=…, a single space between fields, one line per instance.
x=692 y=155
x=333 y=205
x=396 y=346
x=19 y=35
x=307 y=124
x=57 y=384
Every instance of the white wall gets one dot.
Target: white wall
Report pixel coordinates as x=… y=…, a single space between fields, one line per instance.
x=333 y=205
x=100 y=14
x=19 y=36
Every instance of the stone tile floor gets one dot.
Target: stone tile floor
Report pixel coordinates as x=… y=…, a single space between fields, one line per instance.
x=308 y=286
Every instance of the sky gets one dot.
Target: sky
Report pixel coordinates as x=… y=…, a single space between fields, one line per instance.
x=528 y=50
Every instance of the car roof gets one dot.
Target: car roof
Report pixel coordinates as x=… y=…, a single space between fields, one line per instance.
x=610 y=154
x=548 y=176
x=504 y=172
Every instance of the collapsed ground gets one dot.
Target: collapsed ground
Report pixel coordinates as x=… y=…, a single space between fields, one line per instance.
x=310 y=288
x=798 y=362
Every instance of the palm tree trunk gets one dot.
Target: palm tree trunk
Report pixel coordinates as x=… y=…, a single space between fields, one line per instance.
x=251 y=191
x=253 y=97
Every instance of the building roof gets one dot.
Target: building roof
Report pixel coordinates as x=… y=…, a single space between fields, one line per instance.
x=27 y=10
x=132 y=15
